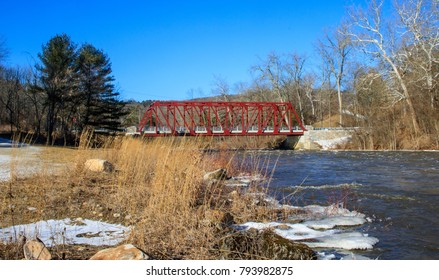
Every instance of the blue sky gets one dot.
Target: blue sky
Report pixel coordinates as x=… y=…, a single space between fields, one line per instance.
x=162 y=49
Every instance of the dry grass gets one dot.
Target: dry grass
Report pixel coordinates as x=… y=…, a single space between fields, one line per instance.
x=157 y=188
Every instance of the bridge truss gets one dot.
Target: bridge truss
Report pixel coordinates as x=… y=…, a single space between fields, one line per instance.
x=164 y=118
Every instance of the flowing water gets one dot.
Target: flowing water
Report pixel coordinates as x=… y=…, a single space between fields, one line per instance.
x=398 y=191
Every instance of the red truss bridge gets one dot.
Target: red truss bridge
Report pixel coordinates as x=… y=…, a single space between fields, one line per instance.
x=164 y=118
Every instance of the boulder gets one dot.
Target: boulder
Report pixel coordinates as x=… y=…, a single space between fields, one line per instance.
x=122 y=252
x=259 y=245
x=36 y=250
x=219 y=174
x=98 y=165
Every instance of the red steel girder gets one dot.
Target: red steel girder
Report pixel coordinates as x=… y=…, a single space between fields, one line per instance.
x=220 y=118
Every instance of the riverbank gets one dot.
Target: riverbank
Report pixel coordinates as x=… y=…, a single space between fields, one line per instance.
x=156 y=189
x=157 y=194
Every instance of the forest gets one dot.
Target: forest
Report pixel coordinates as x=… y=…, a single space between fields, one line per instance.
x=378 y=70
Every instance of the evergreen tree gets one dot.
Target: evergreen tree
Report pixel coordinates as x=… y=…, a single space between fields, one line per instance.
x=100 y=106
x=57 y=78
x=77 y=86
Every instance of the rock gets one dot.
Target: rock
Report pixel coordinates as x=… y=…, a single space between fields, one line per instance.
x=98 y=165
x=219 y=174
x=256 y=245
x=122 y=252
x=36 y=250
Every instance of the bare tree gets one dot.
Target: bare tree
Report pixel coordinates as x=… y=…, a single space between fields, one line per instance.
x=272 y=70
x=193 y=93
x=241 y=88
x=258 y=92
x=334 y=50
x=379 y=40
x=295 y=70
x=325 y=88
x=283 y=76
x=420 y=20
x=308 y=87
x=221 y=88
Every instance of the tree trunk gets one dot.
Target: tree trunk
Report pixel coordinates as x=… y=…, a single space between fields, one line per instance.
x=340 y=105
x=50 y=122
x=300 y=104
x=406 y=93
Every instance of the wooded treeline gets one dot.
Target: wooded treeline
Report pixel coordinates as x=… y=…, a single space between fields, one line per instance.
x=378 y=70
x=70 y=88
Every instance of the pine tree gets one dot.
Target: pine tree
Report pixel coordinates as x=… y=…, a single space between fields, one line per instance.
x=101 y=107
x=57 y=78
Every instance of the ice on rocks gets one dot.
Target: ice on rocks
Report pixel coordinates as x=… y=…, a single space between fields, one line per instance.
x=331 y=210
x=319 y=226
x=332 y=222
x=294 y=231
x=330 y=238
x=345 y=240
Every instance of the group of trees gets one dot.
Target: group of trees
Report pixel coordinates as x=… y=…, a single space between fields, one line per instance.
x=69 y=89
x=379 y=69
x=403 y=81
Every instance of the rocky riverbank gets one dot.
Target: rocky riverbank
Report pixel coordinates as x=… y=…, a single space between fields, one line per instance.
x=169 y=200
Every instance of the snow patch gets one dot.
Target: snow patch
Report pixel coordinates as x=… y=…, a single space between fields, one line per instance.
x=24 y=162
x=67 y=231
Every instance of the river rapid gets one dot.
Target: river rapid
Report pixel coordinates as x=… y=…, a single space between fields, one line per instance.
x=398 y=191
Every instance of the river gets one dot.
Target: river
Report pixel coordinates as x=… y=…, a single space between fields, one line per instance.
x=398 y=191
